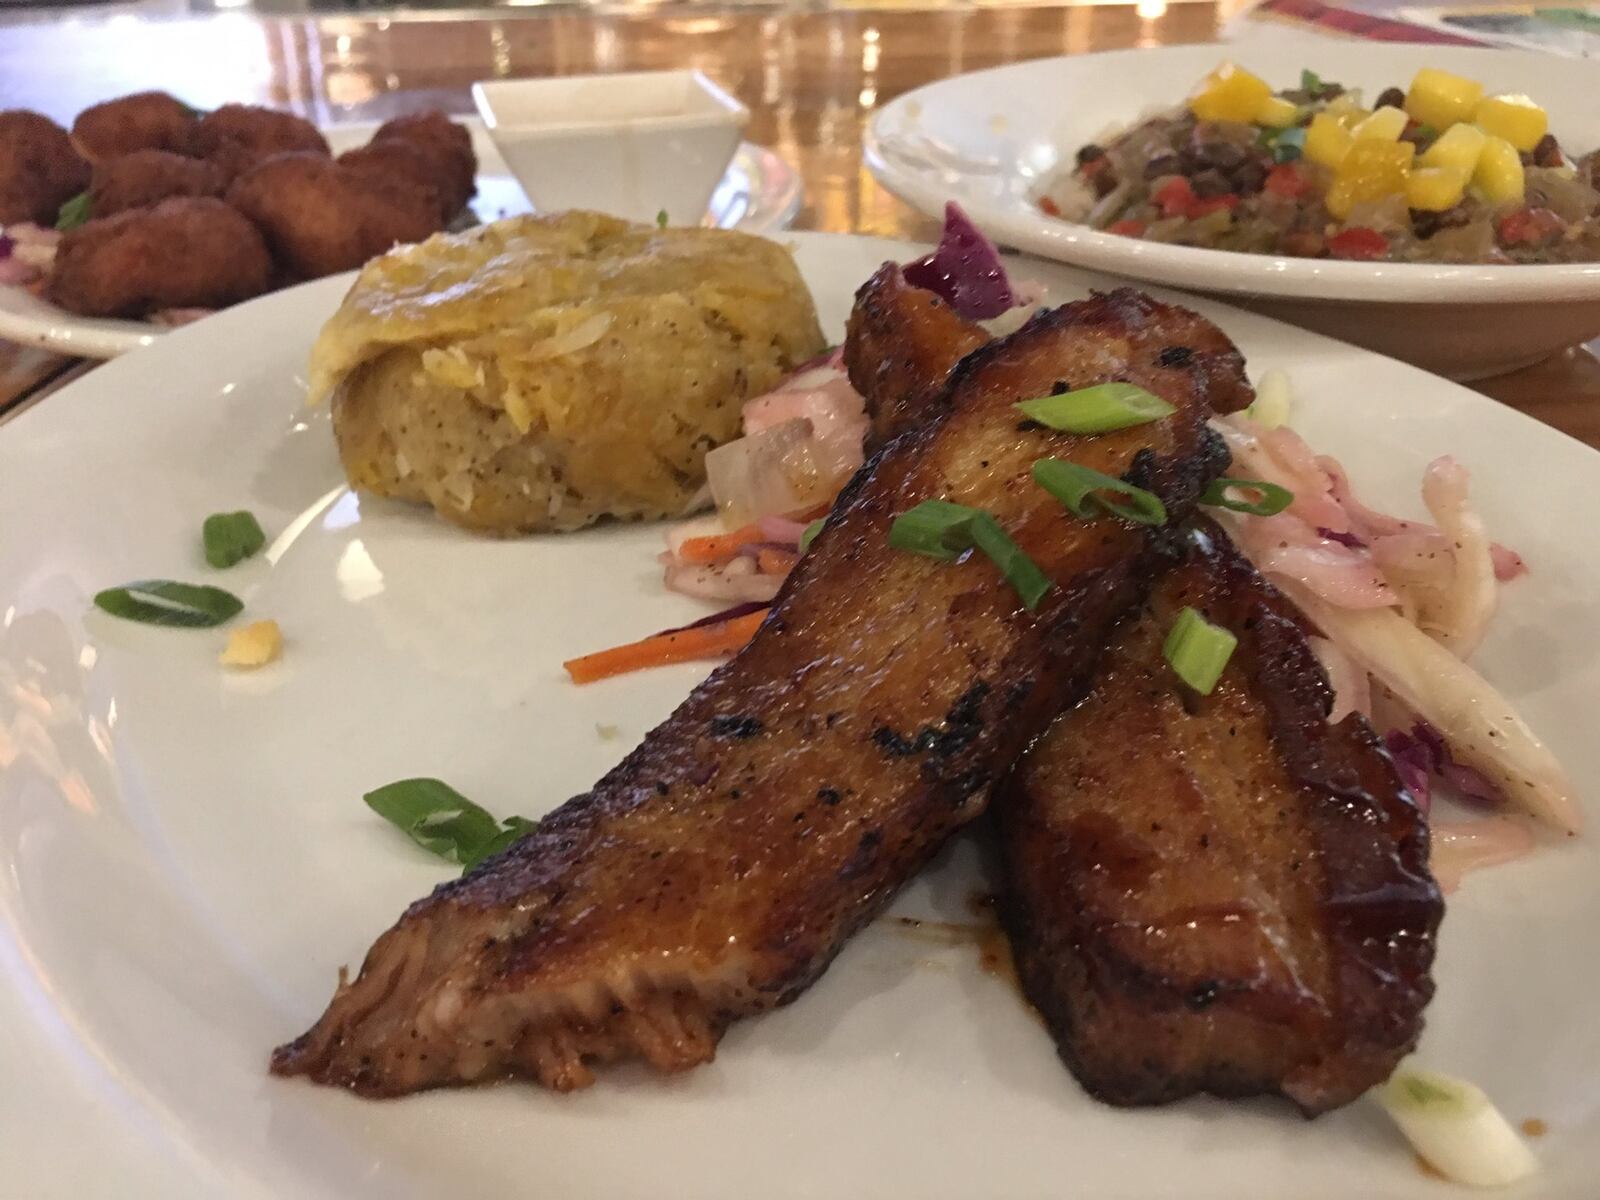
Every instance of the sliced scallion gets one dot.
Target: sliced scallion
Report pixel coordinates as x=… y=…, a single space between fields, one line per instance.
x=1090 y=493
x=1021 y=572
x=1223 y=493
x=75 y=212
x=167 y=602
x=944 y=530
x=1098 y=409
x=1198 y=651
x=444 y=822
x=231 y=538
x=810 y=534
x=1456 y=1128
x=934 y=529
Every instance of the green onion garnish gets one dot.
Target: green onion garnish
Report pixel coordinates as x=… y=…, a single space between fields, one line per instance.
x=231 y=538
x=944 y=530
x=1273 y=499
x=74 y=212
x=1097 y=409
x=1311 y=83
x=661 y=218
x=1287 y=145
x=1084 y=492
x=444 y=822
x=1021 y=572
x=810 y=534
x=165 y=602
x=1198 y=650
x=934 y=529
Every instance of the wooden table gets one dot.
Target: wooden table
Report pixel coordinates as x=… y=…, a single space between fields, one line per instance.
x=811 y=79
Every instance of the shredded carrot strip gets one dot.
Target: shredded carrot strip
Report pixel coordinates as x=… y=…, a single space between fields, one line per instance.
x=718 y=547
x=775 y=562
x=686 y=645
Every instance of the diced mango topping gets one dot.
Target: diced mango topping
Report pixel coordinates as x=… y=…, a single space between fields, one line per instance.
x=1276 y=113
x=1384 y=125
x=1435 y=189
x=1499 y=173
x=1230 y=93
x=1370 y=171
x=1457 y=147
x=1327 y=141
x=1440 y=99
x=253 y=646
x=1346 y=109
x=1517 y=119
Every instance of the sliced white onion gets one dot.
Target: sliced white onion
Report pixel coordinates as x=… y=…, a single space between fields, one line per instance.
x=1460 y=617
x=736 y=583
x=1457 y=848
x=1352 y=687
x=780 y=470
x=1456 y=1128
x=1481 y=727
x=1273 y=401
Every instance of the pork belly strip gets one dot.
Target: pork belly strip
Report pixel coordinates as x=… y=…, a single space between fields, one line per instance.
x=1225 y=893
x=717 y=870
x=901 y=346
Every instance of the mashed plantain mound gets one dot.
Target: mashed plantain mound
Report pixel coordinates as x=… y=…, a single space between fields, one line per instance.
x=545 y=372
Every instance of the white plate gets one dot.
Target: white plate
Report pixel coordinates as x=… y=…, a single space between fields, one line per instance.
x=185 y=860
x=761 y=193
x=991 y=139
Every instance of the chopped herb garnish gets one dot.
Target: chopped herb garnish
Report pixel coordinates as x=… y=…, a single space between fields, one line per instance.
x=934 y=529
x=810 y=534
x=1198 y=651
x=1287 y=145
x=1271 y=500
x=1098 y=409
x=944 y=530
x=164 y=602
x=1311 y=83
x=74 y=212
x=661 y=219
x=1089 y=493
x=1021 y=572
x=231 y=538
x=444 y=822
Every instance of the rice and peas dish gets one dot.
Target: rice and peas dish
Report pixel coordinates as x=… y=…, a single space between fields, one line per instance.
x=1439 y=171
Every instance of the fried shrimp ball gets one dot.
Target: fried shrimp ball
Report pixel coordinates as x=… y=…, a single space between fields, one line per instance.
x=187 y=252
x=321 y=218
x=145 y=177
x=238 y=136
x=142 y=121
x=39 y=169
x=401 y=163
x=448 y=146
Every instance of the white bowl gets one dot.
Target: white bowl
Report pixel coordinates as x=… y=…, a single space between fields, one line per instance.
x=634 y=144
x=990 y=139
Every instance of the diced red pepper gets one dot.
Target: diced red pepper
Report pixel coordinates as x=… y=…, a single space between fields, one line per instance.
x=1287 y=180
x=1359 y=242
x=1530 y=226
x=1127 y=227
x=1049 y=206
x=1200 y=208
x=1174 y=197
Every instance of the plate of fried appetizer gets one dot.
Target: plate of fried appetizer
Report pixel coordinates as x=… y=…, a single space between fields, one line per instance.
x=148 y=214
x=592 y=709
